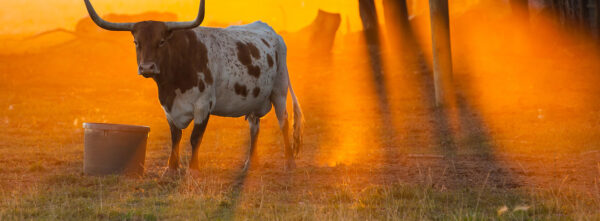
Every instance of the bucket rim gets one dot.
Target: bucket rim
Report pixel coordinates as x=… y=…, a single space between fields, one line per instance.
x=117 y=127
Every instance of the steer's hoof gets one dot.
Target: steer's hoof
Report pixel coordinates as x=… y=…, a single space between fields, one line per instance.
x=170 y=173
x=290 y=166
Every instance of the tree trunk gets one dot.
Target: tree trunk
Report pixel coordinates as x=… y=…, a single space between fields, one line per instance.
x=368 y=15
x=574 y=15
x=598 y=21
x=585 y=20
x=558 y=11
x=442 y=54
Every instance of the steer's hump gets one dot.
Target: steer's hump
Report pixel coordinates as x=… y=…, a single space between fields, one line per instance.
x=258 y=27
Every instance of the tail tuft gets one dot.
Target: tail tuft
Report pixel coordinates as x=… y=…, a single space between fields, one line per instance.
x=298 y=123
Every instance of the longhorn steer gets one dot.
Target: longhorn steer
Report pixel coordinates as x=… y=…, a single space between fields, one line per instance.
x=232 y=72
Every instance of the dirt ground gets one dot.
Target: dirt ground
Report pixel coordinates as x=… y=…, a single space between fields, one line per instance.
x=521 y=131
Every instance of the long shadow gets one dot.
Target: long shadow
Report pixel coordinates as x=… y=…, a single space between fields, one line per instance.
x=374 y=50
x=470 y=135
x=226 y=209
x=455 y=128
x=480 y=141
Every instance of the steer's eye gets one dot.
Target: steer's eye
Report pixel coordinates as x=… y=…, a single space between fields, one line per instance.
x=137 y=45
x=162 y=42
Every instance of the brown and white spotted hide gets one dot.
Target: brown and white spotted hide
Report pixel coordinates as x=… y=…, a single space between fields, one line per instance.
x=229 y=72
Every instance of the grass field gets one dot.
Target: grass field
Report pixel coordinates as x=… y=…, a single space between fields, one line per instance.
x=519 y=141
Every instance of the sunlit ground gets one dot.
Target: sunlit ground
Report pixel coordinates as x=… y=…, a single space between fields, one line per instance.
x=521 y=131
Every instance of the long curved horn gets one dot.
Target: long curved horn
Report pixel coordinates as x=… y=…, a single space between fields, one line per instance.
x=105 y=24
x=189 y=24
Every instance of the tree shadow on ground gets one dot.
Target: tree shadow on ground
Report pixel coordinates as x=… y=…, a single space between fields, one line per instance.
x=460 y=135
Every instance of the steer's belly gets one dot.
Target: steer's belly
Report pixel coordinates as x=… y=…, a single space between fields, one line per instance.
x=234 y=104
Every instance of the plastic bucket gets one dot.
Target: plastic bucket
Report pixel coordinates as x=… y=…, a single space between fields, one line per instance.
x=114 y=149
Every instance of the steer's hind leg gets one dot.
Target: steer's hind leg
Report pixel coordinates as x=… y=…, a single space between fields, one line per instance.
x=195 y=140
x=254 y=123
x=174 y=159
x=279 y=103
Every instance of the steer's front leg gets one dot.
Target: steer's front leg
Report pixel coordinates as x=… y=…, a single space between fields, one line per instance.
x=174 y=159
x=195 y=140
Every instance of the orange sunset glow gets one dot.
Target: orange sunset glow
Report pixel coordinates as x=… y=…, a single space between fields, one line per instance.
x=29 y=17
x=514 y=136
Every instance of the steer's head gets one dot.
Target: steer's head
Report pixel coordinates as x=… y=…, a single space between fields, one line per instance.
x=151 y=38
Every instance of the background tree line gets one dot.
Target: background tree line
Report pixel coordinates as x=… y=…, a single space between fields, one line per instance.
x=581 y=15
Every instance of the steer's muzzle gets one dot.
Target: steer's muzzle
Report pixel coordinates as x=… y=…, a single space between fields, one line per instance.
x=148 y=70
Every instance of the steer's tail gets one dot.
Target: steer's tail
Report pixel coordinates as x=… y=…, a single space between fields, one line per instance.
x=298 y=121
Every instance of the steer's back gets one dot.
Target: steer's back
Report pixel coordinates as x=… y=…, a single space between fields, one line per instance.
x=244 y=61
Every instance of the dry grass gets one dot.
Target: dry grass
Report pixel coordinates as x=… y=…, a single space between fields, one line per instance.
x=76 y=197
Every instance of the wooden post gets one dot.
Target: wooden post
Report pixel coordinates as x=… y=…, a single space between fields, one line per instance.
x=442 y=54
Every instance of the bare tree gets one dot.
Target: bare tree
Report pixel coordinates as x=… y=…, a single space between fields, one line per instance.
x=368 y=15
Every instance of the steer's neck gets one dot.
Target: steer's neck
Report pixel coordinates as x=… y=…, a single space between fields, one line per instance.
x=179 y=66
x=166 y=91
x=162 y=81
